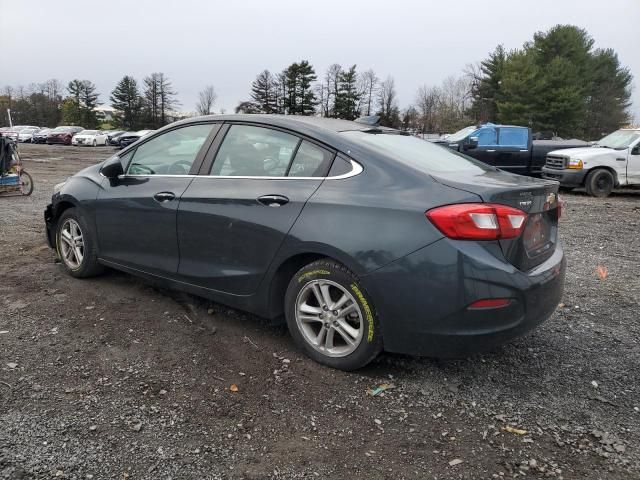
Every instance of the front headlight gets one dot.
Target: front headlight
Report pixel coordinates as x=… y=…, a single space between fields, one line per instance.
x=574 y=163
x=58 y=186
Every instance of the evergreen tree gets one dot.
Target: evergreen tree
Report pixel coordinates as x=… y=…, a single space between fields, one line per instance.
x=609 y=96
x=300 y=98
x=486 y=90
x=125 y=98
x=347 y=95
x=264 y=92
x=85 y=99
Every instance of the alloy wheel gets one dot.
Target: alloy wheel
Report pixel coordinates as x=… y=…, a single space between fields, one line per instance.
x=329 y=318
x=71 y=244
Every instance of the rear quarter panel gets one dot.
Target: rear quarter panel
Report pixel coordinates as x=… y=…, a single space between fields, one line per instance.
x=371 y=219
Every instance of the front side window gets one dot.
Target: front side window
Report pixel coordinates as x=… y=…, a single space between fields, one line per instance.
x=487 y=137
x=514 y=137
x=249 y=151
x=171 y=153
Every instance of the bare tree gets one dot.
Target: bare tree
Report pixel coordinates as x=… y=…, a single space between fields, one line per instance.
x=368 y=83
x=206 y=100
x=330 y=89
x=427 y=102
x=388 y=103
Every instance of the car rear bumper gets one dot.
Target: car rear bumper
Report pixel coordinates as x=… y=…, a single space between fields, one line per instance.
x=422 y=299
x=567 y=178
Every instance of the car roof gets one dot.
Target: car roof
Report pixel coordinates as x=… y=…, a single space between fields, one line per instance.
x=294 y=122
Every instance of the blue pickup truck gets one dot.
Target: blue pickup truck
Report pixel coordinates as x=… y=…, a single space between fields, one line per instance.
x=509 y=147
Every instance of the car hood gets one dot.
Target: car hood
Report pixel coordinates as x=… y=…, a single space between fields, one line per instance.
x=585 y=152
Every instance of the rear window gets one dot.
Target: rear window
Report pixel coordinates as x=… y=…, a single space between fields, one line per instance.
x=417 y=153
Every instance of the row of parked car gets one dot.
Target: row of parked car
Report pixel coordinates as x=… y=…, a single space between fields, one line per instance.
x=70 y=135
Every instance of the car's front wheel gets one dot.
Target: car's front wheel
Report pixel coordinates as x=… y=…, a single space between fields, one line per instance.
x=76 y=245
x=331 y=316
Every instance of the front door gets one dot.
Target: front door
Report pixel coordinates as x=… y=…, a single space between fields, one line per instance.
x=232 y=221
x=513 y=150
x=633 y=164
x=136 y=213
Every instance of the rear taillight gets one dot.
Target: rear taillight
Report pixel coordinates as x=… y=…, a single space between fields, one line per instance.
x=478 y=221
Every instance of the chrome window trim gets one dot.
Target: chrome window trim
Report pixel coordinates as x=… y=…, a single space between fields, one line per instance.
x=356 y=169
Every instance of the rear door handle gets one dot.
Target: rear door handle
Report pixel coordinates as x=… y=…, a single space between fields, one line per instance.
x=164 y=196
x=273 y=200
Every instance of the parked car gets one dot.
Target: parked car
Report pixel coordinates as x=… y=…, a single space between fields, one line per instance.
x=89 y=138
x=112 y=138
x=26 y=134
x=612 y=162
x=62 y=135
x=14 y=131
x=360 y=236
x=41 y=136
x=130 y=137
x=507 y=147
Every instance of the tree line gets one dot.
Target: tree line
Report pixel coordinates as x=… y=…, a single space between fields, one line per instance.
x=557 y=82
x=50 y=103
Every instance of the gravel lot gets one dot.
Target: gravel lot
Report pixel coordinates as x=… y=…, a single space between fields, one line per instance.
x=114 y=378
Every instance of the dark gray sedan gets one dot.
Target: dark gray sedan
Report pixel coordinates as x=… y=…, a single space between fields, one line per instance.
x=360 y=237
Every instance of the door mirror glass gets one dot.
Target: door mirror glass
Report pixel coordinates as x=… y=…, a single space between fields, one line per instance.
x=636 y=150
x=112 y=168
x=472 y=143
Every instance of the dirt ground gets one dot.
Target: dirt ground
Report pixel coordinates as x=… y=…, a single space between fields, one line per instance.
x=114 y=378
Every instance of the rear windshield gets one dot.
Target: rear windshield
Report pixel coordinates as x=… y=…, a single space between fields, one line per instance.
x=417 y=153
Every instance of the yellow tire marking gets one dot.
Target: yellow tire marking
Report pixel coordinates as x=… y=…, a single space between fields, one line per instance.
x=367 y=310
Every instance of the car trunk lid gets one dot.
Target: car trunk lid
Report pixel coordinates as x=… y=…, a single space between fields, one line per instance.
x=538 y=198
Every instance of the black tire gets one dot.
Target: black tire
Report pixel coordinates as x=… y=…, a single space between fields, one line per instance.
x=89 y=265
x=370 y=342
x=600 y=183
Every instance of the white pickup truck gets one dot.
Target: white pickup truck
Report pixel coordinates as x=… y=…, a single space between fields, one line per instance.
x=612 y=162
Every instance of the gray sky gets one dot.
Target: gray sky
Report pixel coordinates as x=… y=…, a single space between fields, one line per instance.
x=226 y=43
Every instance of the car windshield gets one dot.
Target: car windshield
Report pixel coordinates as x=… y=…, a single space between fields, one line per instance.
x=619 y=139
x=417 y=153
x=461 y=134
x=89 y=132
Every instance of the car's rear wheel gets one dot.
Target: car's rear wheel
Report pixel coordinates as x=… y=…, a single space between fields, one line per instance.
x=331 y=317
x=76 y=245
x=600 y=183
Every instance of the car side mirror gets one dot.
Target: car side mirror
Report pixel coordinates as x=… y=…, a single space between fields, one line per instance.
x=472 y=143
x=636 y=150
x=112 y=168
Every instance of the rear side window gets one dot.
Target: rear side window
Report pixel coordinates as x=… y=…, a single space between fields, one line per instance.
x=514 y=137
x=249 y=151
x=310 y=161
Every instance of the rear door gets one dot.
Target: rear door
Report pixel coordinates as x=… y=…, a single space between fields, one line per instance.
x=233 y=219
x=136 y=213
x=514 y=150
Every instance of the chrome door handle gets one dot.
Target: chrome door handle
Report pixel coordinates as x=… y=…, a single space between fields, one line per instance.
x=273 y=200
x=164 y=197
x=490 y=151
